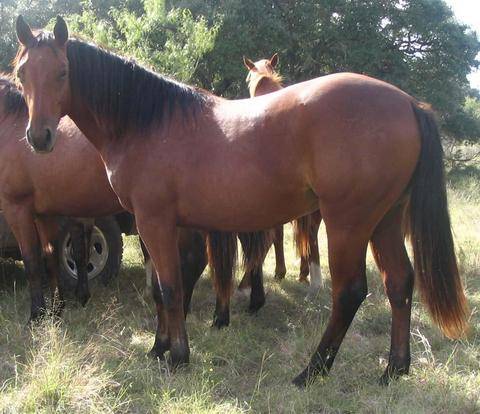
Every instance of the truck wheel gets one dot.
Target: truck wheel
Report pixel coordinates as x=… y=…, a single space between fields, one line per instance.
x=106 y=250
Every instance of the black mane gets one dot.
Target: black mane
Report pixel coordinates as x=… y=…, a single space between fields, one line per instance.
x=123 y=93
x=13 y=100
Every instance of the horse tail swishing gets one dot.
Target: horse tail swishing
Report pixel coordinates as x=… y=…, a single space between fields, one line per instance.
x=429 y=228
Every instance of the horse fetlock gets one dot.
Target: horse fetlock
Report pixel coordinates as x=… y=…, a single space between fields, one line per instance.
x=393 y=372
x=82 y=294
x=256 y=302
x=221 y=317
x=38 y=307
x=179 y=353
x=221 y=321
x=160 y=346
x=280 y=272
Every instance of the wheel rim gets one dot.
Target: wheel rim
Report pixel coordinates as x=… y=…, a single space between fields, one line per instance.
x=98 y=255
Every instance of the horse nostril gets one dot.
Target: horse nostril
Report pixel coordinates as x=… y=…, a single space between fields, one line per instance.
x=48 y=137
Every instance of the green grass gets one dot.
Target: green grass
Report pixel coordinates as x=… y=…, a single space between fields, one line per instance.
x=95 y=359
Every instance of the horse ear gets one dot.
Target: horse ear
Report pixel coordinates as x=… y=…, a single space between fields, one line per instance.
x=274 y=60
x=60 y=31
x=248 y=63
x=24 y=33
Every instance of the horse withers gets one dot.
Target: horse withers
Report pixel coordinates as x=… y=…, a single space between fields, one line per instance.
x=364 y=153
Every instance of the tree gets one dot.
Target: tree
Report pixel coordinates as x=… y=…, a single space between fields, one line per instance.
x=37 y=12
x=414 y=44
x=171 y=42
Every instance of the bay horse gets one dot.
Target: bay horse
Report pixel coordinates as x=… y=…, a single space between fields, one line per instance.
x=35 y=191
x=358 y=149
x=263 y=79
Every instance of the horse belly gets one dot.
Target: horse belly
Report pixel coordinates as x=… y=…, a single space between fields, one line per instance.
x=232 y=204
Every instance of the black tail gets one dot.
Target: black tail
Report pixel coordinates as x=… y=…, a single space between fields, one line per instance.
x=435 y=262
x=255 y=246
x=222 y=258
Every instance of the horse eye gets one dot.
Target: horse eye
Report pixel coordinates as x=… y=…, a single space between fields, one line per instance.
x=62 y=75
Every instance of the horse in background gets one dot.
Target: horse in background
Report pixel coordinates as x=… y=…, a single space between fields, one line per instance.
x=363 y=152
x=262 y=79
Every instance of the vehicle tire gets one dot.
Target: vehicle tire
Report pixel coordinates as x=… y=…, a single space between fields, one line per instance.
x=106 y=250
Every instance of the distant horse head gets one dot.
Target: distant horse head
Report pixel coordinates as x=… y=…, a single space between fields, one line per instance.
x=262 y=78
x=41 y=66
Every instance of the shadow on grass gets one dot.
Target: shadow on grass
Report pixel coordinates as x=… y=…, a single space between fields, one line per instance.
x=253 y=361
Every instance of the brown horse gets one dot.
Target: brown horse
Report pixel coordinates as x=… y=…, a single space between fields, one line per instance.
x=357 y=148
x=263 y=79
x=35 y=190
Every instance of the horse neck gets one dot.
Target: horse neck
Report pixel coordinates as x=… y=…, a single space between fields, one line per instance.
x=94 y=128
x=263 y=85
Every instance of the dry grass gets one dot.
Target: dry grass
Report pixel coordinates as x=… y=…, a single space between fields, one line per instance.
x=94 y=360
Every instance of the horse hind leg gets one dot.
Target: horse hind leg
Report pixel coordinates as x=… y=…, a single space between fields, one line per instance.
x=148 y=268
x=392 y=260
x=347 y=250
x=255 y=247
x=316 y=279
x=280 y=268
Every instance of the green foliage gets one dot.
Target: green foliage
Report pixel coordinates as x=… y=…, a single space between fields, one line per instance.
x=464 y=124
x=414 y=44
x=37 y=13
x=172 y=42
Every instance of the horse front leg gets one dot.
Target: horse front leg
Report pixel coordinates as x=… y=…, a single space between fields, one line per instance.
x=159 y=233
x=81 y=231
x=48 y=231
x=22 y=223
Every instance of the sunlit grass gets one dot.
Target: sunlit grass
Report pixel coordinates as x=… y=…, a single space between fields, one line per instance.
x=95 y=359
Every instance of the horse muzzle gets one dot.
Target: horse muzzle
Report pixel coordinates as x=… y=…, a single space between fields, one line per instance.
x=42 y=141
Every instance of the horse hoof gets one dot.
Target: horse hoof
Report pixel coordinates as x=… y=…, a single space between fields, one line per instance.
x=391 y=374
x=154 y=354
x=280 y=274
x=384 y=380
x=83 y=298
x=300 y=381
x=303 y=279
x=220 y=321
x=179 y=357
x=256 y=305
